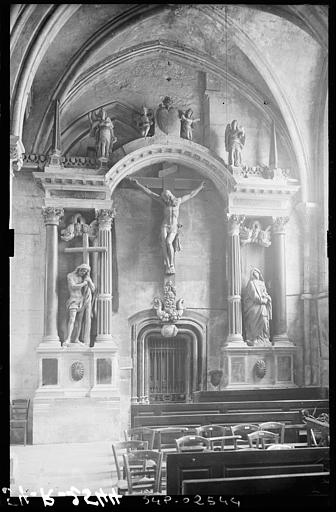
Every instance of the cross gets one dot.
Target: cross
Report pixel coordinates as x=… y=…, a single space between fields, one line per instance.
x=166 y=181
x=85 y=249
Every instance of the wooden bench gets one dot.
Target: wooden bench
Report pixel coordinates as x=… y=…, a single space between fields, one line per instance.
x=306 y=393
x=225 y=419
x=321 y=405
x=209 y=465
x=297 y=484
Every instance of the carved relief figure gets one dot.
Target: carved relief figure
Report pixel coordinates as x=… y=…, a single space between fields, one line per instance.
x=234 y=142
x=170 y=225
x=253 y=234
x=144 y=121
x=81 y=289
x=257 y=310
x=102 y=128
x=187 y=124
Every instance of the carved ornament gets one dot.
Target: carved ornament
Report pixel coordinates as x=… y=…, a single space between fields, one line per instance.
x=77 y=371
x=104 y=217
x=279 y=224
x=16 y=153
x=234 y=223
x=52 y=215
x=77 y=227
x=168 y=118
x=168 y=310
x=253 y=234
x=260 y=368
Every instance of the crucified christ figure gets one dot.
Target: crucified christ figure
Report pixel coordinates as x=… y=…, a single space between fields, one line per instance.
x=169 y=226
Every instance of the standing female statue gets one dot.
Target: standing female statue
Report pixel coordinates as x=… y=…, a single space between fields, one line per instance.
x=257 y=310
x=102 y=128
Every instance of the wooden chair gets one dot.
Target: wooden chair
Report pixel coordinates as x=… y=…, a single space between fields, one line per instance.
x=119 y=449
x=148 y=478
x=141 y=434
x=225 y=432
x=166 y=437
x=259 y=439
x=274 y=426
x=192 y=444
x=19 y=409
x=242 y=430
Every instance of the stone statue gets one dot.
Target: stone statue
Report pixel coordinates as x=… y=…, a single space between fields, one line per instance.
x=102 y=128
x=187 y=124
x=234 y=142
x=144 y=121
x=81 y=289
x=257 y=310
x=170 y=225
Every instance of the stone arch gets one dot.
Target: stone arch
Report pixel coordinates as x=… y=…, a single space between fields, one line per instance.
x=143 y=152
x=145 y=323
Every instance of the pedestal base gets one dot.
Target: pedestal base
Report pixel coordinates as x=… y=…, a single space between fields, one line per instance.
x=258 y=367
x=75 y=420
x=78 y=395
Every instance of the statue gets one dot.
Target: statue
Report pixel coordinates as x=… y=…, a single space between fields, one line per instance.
x=187 y=124
x=257 y=310
x=170 y=226
x=81 y=289
x=144 y=121
x=234 y=142
x=102 y=128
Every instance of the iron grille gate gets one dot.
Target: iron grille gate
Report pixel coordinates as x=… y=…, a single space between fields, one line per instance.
x=169 y=369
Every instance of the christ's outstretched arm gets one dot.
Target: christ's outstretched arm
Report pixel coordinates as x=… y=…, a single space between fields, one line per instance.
x=146 y=190
x=193 y=193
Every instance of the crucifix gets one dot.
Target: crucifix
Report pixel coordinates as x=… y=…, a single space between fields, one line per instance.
x=171 y=205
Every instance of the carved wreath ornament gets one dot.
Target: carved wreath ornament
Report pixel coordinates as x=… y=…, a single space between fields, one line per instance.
x=168 y=310
x=77 y=370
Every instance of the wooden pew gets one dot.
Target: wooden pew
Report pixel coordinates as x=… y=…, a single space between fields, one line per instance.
x=321 y=405
x=205 y=465
x=297 y=484
x=261 y=394
x=225 y=419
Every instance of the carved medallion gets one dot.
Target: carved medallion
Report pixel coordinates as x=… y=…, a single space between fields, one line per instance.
x=77 y=370
x=168 y=119
x=260 y=368
x=216 y=377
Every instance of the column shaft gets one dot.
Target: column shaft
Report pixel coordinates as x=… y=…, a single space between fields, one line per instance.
x=51 y=219
x=104 y=298
x=234 y=280
x=279 y=281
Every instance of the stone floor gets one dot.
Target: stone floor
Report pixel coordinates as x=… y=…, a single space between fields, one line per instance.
x=60 y=466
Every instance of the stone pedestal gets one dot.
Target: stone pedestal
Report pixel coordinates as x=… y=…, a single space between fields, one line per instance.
x=78 y=395
x=257 y=367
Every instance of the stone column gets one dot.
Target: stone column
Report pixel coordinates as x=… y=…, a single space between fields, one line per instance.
x=234 y=280
x=104 y=298
x=279 y=281
x=52 y=217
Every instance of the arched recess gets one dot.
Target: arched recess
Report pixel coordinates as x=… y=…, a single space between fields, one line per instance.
x=144 y=152
x=145 y=323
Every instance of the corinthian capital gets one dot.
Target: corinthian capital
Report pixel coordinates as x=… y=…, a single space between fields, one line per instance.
x=279 y=224
x=234 y=223
x=52 y=214
x=16 y=153
x=105 y=217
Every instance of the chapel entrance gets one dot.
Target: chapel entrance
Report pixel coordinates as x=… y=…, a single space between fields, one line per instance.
x=169 y=368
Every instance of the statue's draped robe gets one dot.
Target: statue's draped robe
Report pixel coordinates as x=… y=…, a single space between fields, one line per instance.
x=256 y=314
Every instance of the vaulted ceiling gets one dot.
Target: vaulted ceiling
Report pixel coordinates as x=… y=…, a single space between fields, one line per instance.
x=92 y=55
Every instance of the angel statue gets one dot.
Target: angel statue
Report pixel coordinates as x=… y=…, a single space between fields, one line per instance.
x=102 y=128
x=234 y=142
x=187 y=124
x=144 y=120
